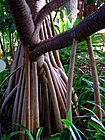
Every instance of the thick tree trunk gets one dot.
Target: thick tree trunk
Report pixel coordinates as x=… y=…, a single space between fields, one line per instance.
x=28 y=31
x=28 y=103
x=25 y=100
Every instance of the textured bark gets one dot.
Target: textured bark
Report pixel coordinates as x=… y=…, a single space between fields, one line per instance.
x=70 y=76
x=29 y=103
x=29 y=33
x=53 y=98
x=46 y=11
x=80 y=32
x=23 y=19
x=10 y=75
x=71 y=7
x=35 y=6
x=7 y=99
x=95 y=79
x=28 y=88
x=35 y=98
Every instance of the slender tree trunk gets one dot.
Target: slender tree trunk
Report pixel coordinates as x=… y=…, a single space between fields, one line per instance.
x=70 y=79
x=95 y=79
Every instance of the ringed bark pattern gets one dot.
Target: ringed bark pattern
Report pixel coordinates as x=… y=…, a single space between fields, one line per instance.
x=80 y=32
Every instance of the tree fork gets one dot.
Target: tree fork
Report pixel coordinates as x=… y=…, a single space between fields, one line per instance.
x=80 y=32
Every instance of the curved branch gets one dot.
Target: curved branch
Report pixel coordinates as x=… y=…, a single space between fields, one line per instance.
x=80 y=32
x=35 y=6
x=11 y=75
x=29 y=33
x=23 y=19
x=49 y=7
x=7 y=99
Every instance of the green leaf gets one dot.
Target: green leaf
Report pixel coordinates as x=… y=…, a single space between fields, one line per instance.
x=95 y=126
x=83 y=135
x=91 y=112
x=91 y=102
x=90 y=1
x=65 y=134
x=88 y=82
x=99 y=136
x=69 y=115
x=26 y=130
x=98 y=122
x=66 y=122
x=5 y=137
x=72 y=133
x=55 y=138
x=76 y=132
x=101 y=88
x=102 y=132
x=39 y=132
x=73 y=130
x=15 y=133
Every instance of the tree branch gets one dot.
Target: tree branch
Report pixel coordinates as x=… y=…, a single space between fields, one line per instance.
x=23 y=19
x=46 y=10
x=80 y=32
x=29 y=33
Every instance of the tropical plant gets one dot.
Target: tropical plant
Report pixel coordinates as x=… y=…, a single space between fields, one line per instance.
x=38 y=86
x=98 y=127
x=15 y=133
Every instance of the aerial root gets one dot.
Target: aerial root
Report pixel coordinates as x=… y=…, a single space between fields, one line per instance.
x=53 y=98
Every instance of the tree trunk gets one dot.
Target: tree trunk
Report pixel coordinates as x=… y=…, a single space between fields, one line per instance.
x=27 y=97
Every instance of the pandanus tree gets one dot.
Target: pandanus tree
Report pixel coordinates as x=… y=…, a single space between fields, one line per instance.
x=39 y=92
